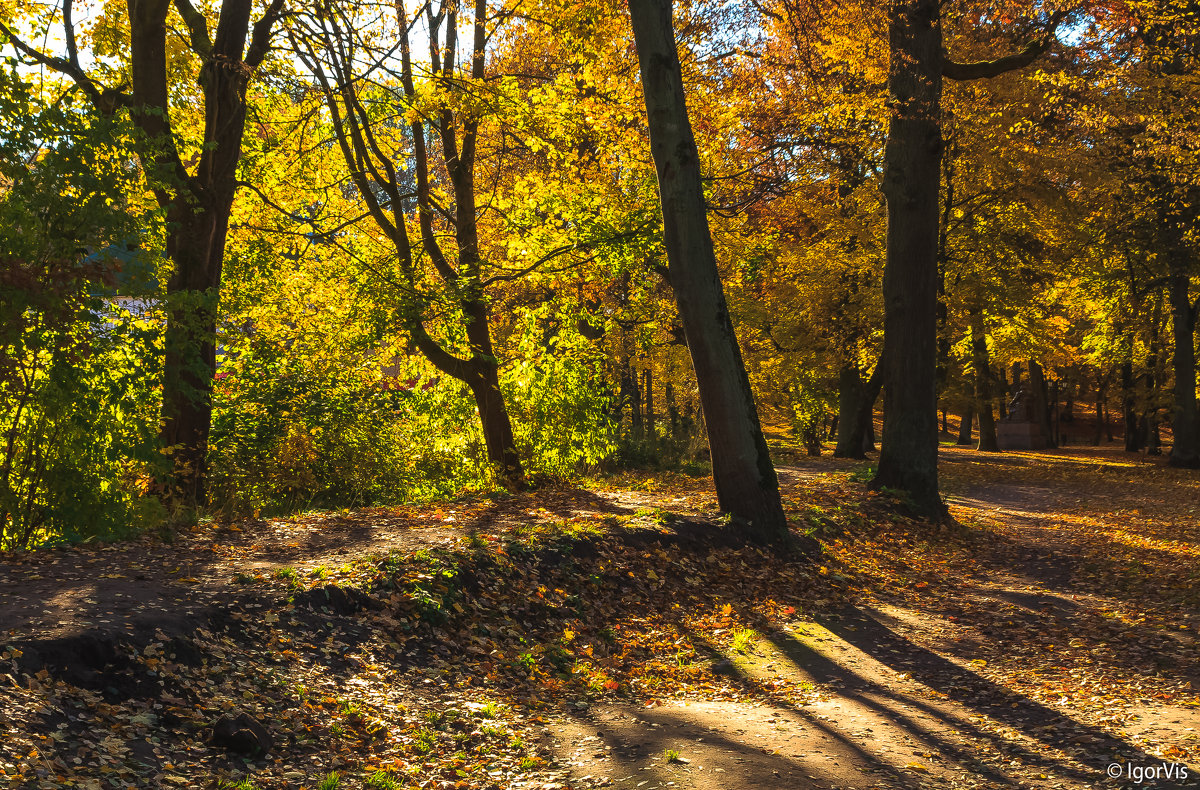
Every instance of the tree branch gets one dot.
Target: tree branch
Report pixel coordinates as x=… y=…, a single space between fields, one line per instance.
x=106 y=100
x=197 y=27
x=260 y=37
x=985 y=69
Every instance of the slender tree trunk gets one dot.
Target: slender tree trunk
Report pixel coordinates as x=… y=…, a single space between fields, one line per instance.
x=632 y=394
x=497 y=428
x=1003 y=401
x=672 y=410
x=912 y=169
x=1152 y=379
x=649 y=392
x=1185 y=451
x=1041 y=402
x=1133 y=437
x=484 y=382
x=965 y=425
x=983 y=384
x=745 y=480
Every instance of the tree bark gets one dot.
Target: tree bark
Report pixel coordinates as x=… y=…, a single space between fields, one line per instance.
x=1041 y=402
x=648 y=389
x=965 y=425
x=850 y=395
x=1133 y=437
x=912 y=169
x=1150 y=433
x=983 y=384
x=497 y=428
x=855 y=424
x=1004 y=392
x=1185 y=451
x=745 y=480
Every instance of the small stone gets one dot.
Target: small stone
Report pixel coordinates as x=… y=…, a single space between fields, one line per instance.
x=242 y=734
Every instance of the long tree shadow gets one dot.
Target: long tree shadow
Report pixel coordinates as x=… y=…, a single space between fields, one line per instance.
x=653 y=730
x=970 y=691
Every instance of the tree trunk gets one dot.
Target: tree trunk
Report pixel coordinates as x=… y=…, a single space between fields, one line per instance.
x=856 y=429
x=632 y=394
x=1004 y=395
x=1185 y=451
x=965 y=425
x=193 y=293
x=850 y=395
x=1133 y=437
x=982 y=365
x=1153 y=360
x=912 y=170
x=983 y=384
x=648 y=389
x=497 y=428
x=745 y=480
x=672 y=410
x=1041 y=402
x=198 y=208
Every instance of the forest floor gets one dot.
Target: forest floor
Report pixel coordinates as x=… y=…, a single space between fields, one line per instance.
x=616 y=635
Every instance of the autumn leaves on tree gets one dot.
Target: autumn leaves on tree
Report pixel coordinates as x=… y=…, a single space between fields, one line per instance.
x=540 y=240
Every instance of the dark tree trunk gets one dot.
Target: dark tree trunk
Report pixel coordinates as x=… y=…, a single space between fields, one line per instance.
x=1004 y=394
x=1185 y=421
x=912 y=170
x=1041 y=402
x=632 y=395
x=189 y=362
x=850 y=395
x=497 y=428
x=672 y=410
x=856 y=426
x=1153 y=360
x=745 y=480
x=648 y=389
x=965 y=425
x=1133 y=437
x=983 y=384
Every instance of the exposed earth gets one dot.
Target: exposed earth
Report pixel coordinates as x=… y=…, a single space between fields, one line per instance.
x=1048 y=637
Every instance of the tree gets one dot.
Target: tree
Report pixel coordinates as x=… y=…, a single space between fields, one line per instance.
x=197 y=194
x=384 y=119
x=912 y=173
x=745 y=479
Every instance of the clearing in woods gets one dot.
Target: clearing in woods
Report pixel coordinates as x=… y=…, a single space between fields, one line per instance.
x=612 y=636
